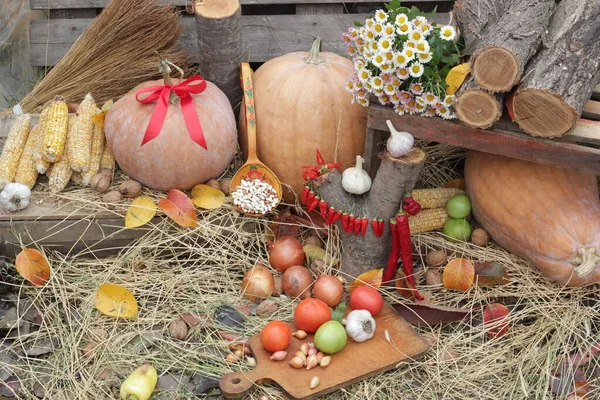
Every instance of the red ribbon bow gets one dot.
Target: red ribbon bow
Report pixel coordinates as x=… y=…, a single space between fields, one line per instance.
x=161 y=94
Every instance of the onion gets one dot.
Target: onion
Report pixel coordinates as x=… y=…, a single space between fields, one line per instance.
x=297 y=281
x=258 y=283
x=285 y=252
x=329 y=289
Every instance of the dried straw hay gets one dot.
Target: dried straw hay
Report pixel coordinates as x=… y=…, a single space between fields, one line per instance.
x=172 y=271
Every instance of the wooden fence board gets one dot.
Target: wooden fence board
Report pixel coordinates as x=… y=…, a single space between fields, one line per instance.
x=265 y=36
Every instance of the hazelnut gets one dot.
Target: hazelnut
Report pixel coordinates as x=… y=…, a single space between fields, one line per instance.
x=267 y=307
x=314 y=240
x=178 y=329
x=436 y=258
x=130 y=188
x=213 y=183
x=225 y=184
x=480 y=237
x=189 y=319
x=433 y=277
x=112 y=197
x=102 y=180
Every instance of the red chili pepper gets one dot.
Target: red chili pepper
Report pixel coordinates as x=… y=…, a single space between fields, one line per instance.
x=310 y=167
x=310 y=175
x=351 y=220
x=311 y=196
x=305 y=192
x=336 y=216
x=406 y=251
x=320 y=160
x=330 y=214
x=357 y=224
x=345 y=221
x=314 y=204
x=323 y=208
x=410 y=205
x=394 y=256
x=334 y=165
x=364 y=223
x=381 y=227
x=375 y=226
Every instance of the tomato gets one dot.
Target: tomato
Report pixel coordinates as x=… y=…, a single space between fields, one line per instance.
x=330 y=337
x=275 y=336
x=311 y=313
x=366 y=298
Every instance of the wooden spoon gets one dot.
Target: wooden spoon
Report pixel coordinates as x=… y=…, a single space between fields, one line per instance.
x=253 y=164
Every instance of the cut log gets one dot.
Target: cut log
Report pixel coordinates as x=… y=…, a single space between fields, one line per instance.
x=476 y=107
x=219 y=29
x=499 y=61
x=562 y=75
x=395 y=177
x=474 y=17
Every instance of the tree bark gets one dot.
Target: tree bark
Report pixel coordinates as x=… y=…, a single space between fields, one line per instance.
x=219 y=29
x=562 y=75
x=499 y=61
x=395 y=177
x=474 y=17
x=476 y=107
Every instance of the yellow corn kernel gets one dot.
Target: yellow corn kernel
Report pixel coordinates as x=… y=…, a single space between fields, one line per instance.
x=13 y=149
x=56 y=130
x=80 y=136
x=434 y=198
x=61 y=173
x=427 y=220
x=26 y=172
x=95 y=156
x=108 y=160
x=41 y=164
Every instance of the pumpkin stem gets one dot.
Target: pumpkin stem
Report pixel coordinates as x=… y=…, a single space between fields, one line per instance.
x=589 y=259
x=313 y=54
x=165 y=69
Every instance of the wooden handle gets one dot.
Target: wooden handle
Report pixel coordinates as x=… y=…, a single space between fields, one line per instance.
x=236 y=384
x=250 y=112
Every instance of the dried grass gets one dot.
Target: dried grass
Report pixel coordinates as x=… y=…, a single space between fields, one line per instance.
x=113 y=55
x=171 y=271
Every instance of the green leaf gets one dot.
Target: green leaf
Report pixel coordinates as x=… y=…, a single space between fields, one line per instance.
x=338 y=313
x=357 y=24
x=393 y=5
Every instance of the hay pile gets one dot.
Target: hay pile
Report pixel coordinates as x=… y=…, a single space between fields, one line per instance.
x=173 y=271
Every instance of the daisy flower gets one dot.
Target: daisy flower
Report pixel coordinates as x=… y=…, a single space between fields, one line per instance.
x=420 y=101
x=409 y=53
x=389 y=89
x=430 y=98
x=403 y=73
x=353 y=33
x=448 y=100
x=389 y=57
x=384 y=99
x=403 y=29
x=385 y=44
x=400 y=59
x=425 y=28
x=363 y=101
x=422 y=47
x=373 y=46
x=347 y=38
x=361 y=93
x=411 y=106
x=359 y=63
x=376 y=82
x=387 y=77
x=411 y=43
x=378 y=59
x=415 y=35
x=416 y=88
x=405 y=96
x=350 y=84
x=416 y=69
x=395 y=81
x=400 y=109
x=364 y=75
x=401 y=19
x=360 y=41
x=377 y=92
x=424 y=58
x=420 y=108
x=418 y=21
x=444 y=112
x=369 y=22
x=395 y=98
x=377 y=28
x=366 y=34
x=388 y=30
x=381 y=16
x=386 y=67
x=447 y=32
x=351 y=50
x=430 y=112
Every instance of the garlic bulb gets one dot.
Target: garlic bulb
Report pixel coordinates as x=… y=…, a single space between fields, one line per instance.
x=355 y=180
x=15 y=196
x=400 y=143
x=360 y=325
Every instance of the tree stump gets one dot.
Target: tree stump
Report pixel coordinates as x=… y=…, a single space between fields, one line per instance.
x=219 y=29
x=395 y=177
x=476 y=107
x=562 y=75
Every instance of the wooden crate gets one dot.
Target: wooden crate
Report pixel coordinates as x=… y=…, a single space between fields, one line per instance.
x=270 y=27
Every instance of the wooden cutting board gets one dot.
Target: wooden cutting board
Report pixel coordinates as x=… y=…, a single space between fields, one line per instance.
x=354 y=363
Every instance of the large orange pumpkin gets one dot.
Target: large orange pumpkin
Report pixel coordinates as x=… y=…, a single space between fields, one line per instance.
x=301 y=104
x=172 y=160
x=546 y=215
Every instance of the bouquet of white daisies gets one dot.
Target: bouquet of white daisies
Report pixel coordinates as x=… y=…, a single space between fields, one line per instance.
x=402 y=58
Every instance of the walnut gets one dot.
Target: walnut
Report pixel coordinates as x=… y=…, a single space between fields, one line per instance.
x=213 y=183
x=480 y=237
x=436 y=258
x=130 y=188
x=178 y=329
x=433 y=277
x=267 y=307
x=112 y=197
x=102 y=180
x=225 y=184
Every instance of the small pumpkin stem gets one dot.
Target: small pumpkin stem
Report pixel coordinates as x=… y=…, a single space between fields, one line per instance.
x=313 y=54
x=165 y=69
x=590 y=259
x=359 y=162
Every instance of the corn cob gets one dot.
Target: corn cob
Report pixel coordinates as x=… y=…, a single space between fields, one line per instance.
x=95 y=157
x=108 y=160
x=434 y=198
x=80 y=136
x=40 y=163
x=61 y=173
x=13 y=149
x=428 y=220
x=56 y=128
x=26 y=172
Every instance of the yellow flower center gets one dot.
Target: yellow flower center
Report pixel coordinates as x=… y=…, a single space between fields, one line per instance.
x=389 y=30
x=378 y=28
x=409 y=52
x=421 y=46
x=410 y=44
x=404 y=28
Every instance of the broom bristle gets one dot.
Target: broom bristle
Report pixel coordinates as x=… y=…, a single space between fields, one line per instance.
x=114 y=54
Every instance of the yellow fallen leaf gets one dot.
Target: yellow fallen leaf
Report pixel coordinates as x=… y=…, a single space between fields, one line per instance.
x=371 y=278
x=204 y=196
x=315 y=253
x=33 y=266
x=106 y=106
x=116 y=301
x=98 y=119
x=456 y=77
x=140 y=212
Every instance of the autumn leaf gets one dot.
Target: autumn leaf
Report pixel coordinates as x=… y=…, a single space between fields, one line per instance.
x=282 y=225
x=116 y=301
x=140 y=212
x=206 y=197
x=456 y=77
x=456 y=184
x=371 y=278
x=316 y=253
x=402 y=285
x=458 y=274
x=495 y=320
x=179 y=208
x=491 y=273
x=33 y=266
x=429 y=314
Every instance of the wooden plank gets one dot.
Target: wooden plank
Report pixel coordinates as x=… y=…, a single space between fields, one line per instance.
x=43 y=208
x=510 y=144
x=264 y=36
x=302 y=9
x=591 y=110
x=51 y=4
x=596 y=93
